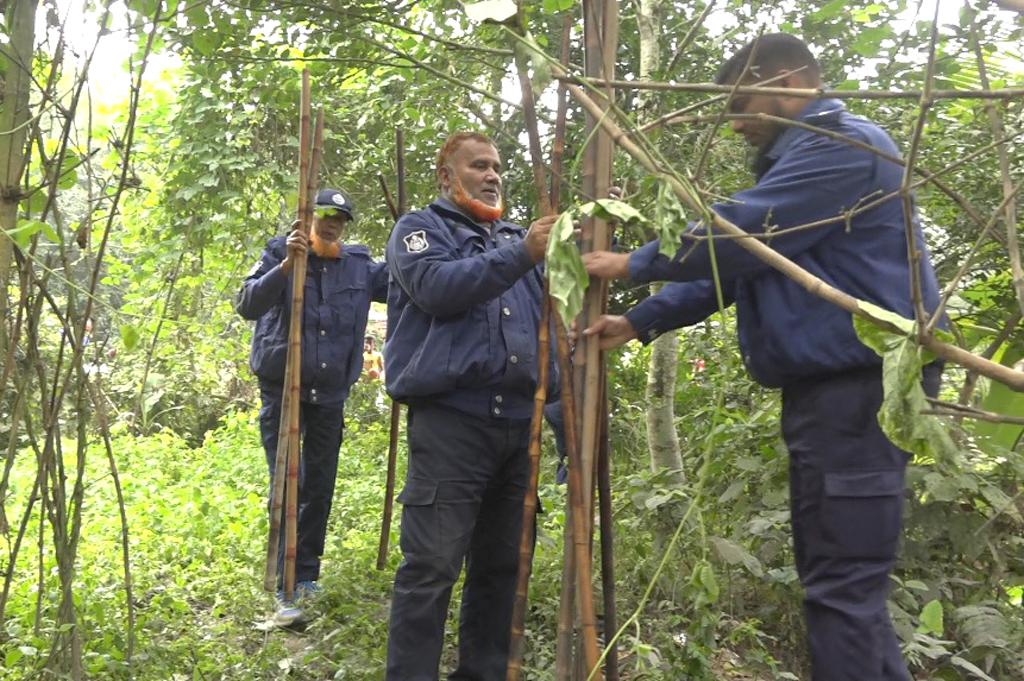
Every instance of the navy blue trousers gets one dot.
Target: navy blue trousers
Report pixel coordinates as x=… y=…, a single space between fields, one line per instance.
x=463 y=503
x=320 y=431
x=846 y=499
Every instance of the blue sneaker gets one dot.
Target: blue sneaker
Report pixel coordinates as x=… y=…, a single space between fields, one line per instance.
x=289 y=612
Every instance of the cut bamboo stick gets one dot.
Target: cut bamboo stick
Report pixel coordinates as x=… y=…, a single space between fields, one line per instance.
x=281 y=457
x=295 y=359
x=526 y=537
x=396 y=408
x=580 y=529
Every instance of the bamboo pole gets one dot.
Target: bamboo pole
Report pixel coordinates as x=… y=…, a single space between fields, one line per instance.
x=396 y=408
x=604 y=497
x=566 y=605
x=583 y=573
x=580 y=533
x=567 y=596
x=280 y=462
x=600 y=30
x=526 y=537
x=291 y=514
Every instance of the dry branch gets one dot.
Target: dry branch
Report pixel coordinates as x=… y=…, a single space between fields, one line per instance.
x=1009 y=377
x=807 y=93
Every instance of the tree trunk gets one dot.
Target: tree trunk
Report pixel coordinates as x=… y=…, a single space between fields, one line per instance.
x=662 y=440
x=15 y=79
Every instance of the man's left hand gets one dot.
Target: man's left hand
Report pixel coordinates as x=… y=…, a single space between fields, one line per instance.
x=607 y=265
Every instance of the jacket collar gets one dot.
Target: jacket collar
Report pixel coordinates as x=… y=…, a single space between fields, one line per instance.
x=465 y=226
x=822 y=113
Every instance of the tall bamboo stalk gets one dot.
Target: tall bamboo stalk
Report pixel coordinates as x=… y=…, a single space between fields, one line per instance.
x=526 y=537
x=281 y=458
x=396 y=408
x=604 y=498
x=567 y=596
x=580 y=526
x=291 y=515
x=600 y=35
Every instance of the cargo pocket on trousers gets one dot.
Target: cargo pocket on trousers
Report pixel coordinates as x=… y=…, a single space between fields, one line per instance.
x=420 y=533
x=862 y=513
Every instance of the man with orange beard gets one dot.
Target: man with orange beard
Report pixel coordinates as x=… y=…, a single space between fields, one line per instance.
x=341 y=280
x=461 y=351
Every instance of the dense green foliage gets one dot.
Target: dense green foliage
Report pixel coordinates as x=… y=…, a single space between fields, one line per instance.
x=169 y=208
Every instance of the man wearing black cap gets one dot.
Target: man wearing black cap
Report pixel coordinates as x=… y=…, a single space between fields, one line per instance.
x=341 y=280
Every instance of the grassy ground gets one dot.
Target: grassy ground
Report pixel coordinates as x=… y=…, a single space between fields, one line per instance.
x=197 y=533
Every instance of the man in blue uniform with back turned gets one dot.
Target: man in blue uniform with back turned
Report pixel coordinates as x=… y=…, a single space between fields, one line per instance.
x=846 y=478
x=463 y=312
x=341 y=280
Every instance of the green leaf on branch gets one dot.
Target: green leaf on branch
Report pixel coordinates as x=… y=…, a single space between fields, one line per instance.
x=567 y=276
x=26 y=229
x=528 y=52
x=556 y=6
x=902 y=360
x=669 y=220
x=704 y=580
x=931 y=618
x=130 y=337
x=611 y=209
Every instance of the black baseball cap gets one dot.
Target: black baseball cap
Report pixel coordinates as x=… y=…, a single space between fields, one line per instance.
x=334 y=200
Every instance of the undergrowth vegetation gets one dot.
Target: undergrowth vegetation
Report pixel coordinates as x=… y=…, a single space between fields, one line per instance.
x=720 y=601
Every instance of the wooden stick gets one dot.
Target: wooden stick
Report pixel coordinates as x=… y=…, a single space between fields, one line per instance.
x=566 y=605
x=389 y=486
x=1006 y=375
x=396 y=408
x=526 y=537
x=280 y=462
x=291 y=513
x=604 y=497
x=567 y=596
x=807 y=93
x=580 y=529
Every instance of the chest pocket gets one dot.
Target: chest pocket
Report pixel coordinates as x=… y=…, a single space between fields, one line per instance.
x=343 y=288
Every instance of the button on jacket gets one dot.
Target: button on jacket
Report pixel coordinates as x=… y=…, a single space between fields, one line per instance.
x=463 y=313
x=785 y=332
x=336 y=304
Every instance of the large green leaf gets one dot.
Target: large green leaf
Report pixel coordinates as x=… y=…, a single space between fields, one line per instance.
x=26 y=229
x=900 y=415
x=931 y=618
x=669 y=220
x=612 y=209
x=567 y=276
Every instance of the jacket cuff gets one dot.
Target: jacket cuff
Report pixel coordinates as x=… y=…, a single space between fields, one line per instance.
x=644 y=320
x=523 y=259
x=641 y=261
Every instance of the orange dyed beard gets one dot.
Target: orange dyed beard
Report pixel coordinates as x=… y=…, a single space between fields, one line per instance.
x=477 y=209
x=324 y=249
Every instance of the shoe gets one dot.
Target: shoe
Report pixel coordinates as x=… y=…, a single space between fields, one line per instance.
x=290 y=614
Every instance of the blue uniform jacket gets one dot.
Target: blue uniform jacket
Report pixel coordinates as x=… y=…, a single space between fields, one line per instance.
x=463 y=312
x=785 y=332
x=336 y=305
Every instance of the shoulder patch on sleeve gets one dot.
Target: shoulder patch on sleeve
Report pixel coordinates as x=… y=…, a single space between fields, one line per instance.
x=416 y=242
x=255 y=268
